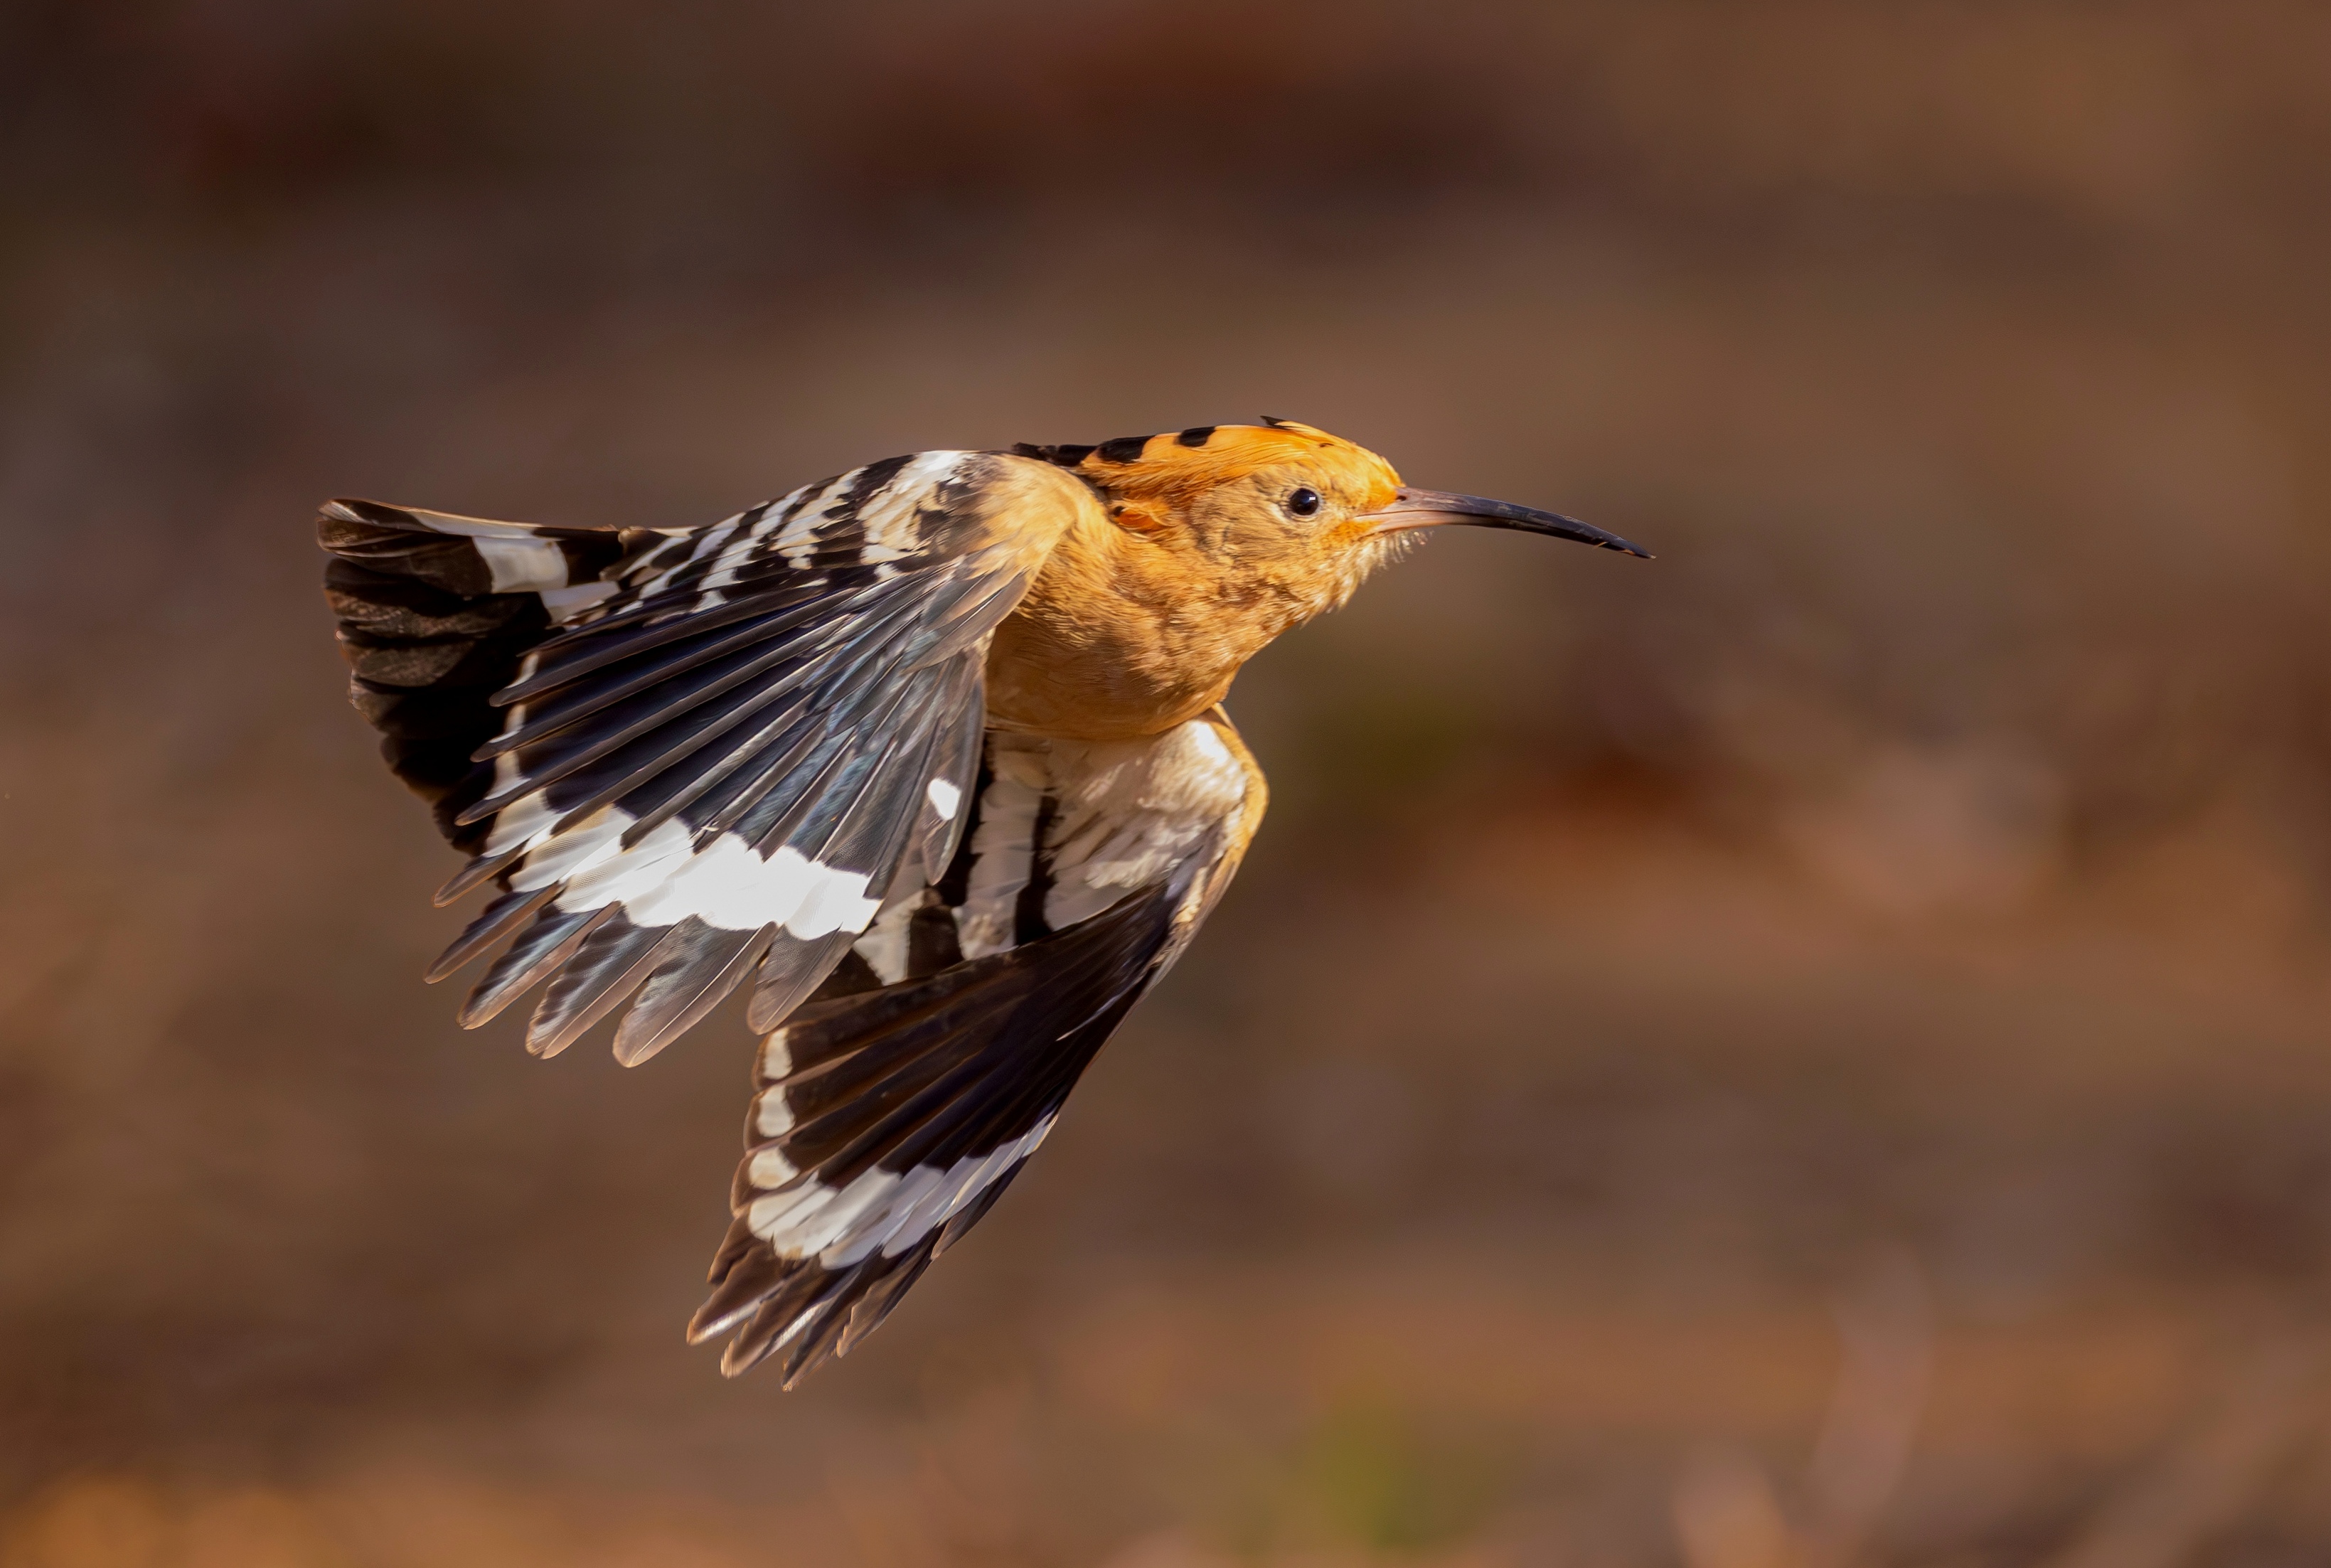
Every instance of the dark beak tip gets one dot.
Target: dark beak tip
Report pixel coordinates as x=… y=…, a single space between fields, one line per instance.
x=1446 y=507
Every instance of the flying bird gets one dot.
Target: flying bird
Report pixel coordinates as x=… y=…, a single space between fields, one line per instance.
x=931 y=755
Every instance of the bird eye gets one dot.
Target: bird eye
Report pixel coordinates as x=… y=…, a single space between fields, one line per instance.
x=1303 y=503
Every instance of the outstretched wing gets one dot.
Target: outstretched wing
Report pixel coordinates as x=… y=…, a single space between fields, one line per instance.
x=684 y=757
x=894 y=1108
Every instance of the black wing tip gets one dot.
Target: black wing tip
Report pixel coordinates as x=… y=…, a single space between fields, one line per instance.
x=799 y=1308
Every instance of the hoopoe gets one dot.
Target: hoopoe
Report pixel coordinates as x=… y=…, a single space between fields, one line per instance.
x=931 y=754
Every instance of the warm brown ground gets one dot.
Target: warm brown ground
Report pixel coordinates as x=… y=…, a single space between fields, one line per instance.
x=1810 y=1052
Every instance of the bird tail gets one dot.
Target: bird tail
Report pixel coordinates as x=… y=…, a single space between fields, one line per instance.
x=435 y=615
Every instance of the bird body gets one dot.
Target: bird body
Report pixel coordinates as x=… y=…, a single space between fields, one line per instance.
x=931 y=754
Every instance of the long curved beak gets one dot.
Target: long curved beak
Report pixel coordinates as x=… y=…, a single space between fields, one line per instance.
x=1412 y=507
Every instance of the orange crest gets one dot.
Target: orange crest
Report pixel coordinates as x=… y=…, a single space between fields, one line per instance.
x=1177 y=466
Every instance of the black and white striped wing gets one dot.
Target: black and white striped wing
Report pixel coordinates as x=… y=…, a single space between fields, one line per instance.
x=897 y=1105
x=683 y=758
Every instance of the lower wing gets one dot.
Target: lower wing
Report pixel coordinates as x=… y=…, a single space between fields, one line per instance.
x=894 y=1108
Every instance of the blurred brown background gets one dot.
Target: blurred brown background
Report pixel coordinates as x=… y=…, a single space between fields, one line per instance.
x=1810 y=1051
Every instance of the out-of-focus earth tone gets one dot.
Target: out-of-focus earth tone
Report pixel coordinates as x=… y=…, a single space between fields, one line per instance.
x=1813 y=1051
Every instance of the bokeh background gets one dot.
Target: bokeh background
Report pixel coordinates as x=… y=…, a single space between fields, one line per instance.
x=1812 y=1051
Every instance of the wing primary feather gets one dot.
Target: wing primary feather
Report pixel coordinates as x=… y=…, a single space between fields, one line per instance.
x=655 y=800
x=684 y=988
x=809 y=759
x=650 y=758
x=868 y=1311
x=840 y=1074
x=481 y=869
x=804 y=629
x=808 y=820
x=783 y=1313
x=832 y=1139
x=645 y=729
x=840 y=1078
x=595 y=645
x=971 y=1213
x=494 y=922
x=650 y=711
x=792 y=970
x=815 y=1346
x=828 y=1032
x=991 y=1124
x=734 y=1246
x=541 y=947
x=549 y=715
x=755 y=1273
x=871 y=830
x=870 y=650
x=968 y=1120
x=608 y=968
x=905 y=1096
x=780 y=807
x=797 y=747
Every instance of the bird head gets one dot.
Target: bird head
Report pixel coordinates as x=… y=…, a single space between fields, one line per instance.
x=1279 y=509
